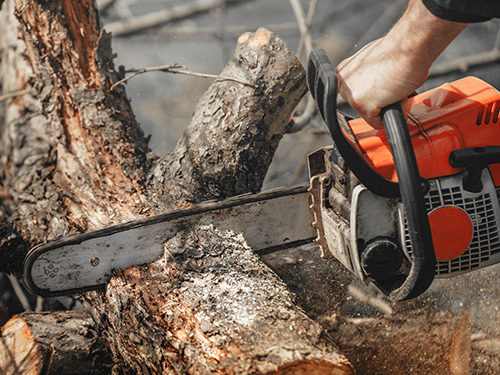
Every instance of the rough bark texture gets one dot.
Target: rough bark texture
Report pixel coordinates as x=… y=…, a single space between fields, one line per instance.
x=235 y=130
x=68 y=145
x=63 y=342
x=73 y=159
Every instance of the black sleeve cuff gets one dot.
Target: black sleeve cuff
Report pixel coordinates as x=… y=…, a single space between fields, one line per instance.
x=452 y=15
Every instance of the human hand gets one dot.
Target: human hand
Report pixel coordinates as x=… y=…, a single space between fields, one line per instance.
x=391 y=68
x=378 y=75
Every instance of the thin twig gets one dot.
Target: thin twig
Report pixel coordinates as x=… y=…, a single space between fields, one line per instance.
x=135 y=72
x=213 y=76
x=21 y=296
x=302 y=23
x=48 y=360
x=172 y=69
x=496 y=46
x=300 y=121
x=39 y=304
x=309 y=19
x=13 y=94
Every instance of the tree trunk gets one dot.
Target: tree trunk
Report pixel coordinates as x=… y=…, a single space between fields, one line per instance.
x=74 y=159
x=72 y=156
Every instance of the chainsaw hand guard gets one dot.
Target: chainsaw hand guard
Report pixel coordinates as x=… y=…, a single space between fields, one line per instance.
x=322 y=82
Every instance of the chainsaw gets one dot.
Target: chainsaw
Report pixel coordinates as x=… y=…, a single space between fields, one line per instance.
x=397 y=206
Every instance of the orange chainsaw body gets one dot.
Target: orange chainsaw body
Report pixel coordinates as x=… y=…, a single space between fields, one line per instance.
x=456 y=115
x=441 y=217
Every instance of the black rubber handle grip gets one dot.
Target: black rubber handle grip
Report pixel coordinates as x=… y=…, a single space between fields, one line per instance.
x=322 y=82
x=423 y=265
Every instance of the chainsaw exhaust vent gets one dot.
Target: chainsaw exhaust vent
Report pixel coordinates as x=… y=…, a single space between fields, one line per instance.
x=484 y=212
x=488 y=114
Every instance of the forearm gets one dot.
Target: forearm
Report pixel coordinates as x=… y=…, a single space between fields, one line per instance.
x=421 y=36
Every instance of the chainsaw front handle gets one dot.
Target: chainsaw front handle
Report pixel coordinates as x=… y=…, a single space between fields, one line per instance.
x=423 y=264
x=322 y=82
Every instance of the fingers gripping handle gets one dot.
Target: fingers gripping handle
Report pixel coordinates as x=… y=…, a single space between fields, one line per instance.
x=322 y=82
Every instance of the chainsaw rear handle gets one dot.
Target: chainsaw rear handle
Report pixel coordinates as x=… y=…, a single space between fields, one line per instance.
x=322 y=82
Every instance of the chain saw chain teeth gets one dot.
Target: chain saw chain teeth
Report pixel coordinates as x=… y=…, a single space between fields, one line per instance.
x=316 y=200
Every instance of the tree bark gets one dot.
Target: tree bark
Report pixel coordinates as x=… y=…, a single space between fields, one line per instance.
x=211 y=306
x=74 y=159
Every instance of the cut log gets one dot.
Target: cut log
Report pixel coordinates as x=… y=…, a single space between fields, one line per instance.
x=235 y=130
x=418 y=340
x=62 y=342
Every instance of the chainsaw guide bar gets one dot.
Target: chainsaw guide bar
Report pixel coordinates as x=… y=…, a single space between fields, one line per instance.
x=271 y=220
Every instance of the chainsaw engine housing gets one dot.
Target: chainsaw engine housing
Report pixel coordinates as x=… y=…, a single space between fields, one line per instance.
x=455 y=134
